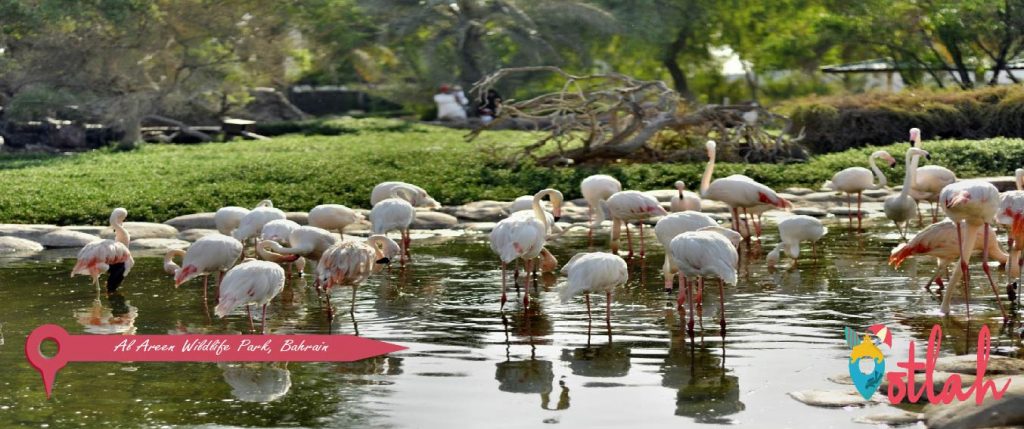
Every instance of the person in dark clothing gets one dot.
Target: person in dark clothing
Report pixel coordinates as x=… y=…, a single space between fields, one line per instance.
x=491 y=106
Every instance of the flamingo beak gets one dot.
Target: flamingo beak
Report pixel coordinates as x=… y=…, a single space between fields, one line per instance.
x=892 y=164
x=557 y=213
x=384 y=260
x=928 y=156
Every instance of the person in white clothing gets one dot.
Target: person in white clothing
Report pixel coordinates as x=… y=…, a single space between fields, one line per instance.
x=448 y=107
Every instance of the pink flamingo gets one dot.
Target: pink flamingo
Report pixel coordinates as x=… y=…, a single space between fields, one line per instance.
x=627 y=206
x=1011 y=214
x=352 y=262
x=210 y=254
x=111 y=256
x=248 y=283
x=737 y=191
x=684 y=200
x=702 y=253
x=594 y=272
x=939 y=240
x=971 y=204
x=856 y=180
x=523 y=237
x=597 y=189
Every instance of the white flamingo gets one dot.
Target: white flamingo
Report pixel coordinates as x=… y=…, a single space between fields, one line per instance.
x=594 y=272
x=525 y=202
x=227 y=218
x=280 y=231
x=596 y=189
x=939 y=240
x=395 y=214
x=352 y=262
x=248 y=283
x=523 y=237
x=1011 y=215
x=684 y=200
x=111 y=256
x=333 y=217
x=900 y=208
x=419 y=197
x=700 y=254
x=736 y=191
x=856 y=180
x=930 y=178
x=251 y=225
x=631 y=206
x=792 y=231
x=974 y=203
x=672 y=225
x=307 y=242
x=210 y=254
x=547 y=262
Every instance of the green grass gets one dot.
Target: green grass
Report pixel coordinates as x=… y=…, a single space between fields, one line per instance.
x=158 y=182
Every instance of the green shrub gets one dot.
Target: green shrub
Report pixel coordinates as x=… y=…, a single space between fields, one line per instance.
x=833 y=124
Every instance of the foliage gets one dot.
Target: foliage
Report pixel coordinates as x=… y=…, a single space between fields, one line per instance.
x=158 y=182
x=836 y=123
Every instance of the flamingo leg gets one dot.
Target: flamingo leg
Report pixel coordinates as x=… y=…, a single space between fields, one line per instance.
x=248 y=311
x=206 y=281
x=666 y=272
x=526 y=293
x=988 y=271
x=747 y=221
x=616 y=232
x=629 y=239
x=920 y=220
x=641 y=226
x=757 y=225
x=263 y=321
x=608 y=312
x=721 y=304
x=860 y=215
x=849 y=208
x=681 y=298
x=504 y=297
x=735 y=219
x=590 y=219
x=689 y=297
x=515 y=274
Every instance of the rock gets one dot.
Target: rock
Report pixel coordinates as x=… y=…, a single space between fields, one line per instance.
x=843 y=211
x=891 y=418
x=193 y=221
x=1006 y=411
x=575 y=214
x=158 y=243
x=29 y=232
x=831 y=398
x=19 y=245
x=301 y=218
x=144 y=230
x=484 y=227
x=824 y=197
x=810 y=211
x=967 y=364
x=433 y=220
x=478 y=211
x=662 y=195
x=798 y=191
x=788 y=197
x=89 y=229
x=709 y=206
x=877 y=193
x=195 y=234
x=938 y=380
x=579 y=202
x=63 y=238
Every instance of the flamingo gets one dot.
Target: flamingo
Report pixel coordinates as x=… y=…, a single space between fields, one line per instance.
x=307 y=242
x=547 y=262
x=900 y=208
x=251 y=282
x=626 y=206
x=672 y=225
x=395 y=213
x=973 y=202
x=930 y=178
x=736 y=191
x=352 y=262
x=111 y=256
x=252 y=224
x=685 y=200
x=333 y=217
x=227 y=218
x=594 y=272
x=209 y=254
x=792 y=231
x=706 y=252
x=856 y=180
x=1011 y=214
x=595 y=190
x=280 y=231
x=525 y=202
x=523 y=237
x=419 y=197
x=939 y=240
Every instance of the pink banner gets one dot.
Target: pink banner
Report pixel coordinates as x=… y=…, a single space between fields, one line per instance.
x=194 y=348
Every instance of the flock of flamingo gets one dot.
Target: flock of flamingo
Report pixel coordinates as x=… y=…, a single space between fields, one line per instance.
x=696 y=247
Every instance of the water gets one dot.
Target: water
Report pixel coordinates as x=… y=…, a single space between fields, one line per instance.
x=470 y=364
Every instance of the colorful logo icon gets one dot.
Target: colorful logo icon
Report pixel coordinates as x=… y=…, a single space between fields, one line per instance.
x=866 y=348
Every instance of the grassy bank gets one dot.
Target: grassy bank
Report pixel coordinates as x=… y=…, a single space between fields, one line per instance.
x=158 y=182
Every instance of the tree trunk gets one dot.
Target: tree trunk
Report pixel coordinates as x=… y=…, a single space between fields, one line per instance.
x=671 y=62
x=470 y=44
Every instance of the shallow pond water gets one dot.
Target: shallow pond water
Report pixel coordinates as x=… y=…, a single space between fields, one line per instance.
x=468 y=364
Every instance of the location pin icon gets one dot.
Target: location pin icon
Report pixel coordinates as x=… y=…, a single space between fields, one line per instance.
x=47 y=366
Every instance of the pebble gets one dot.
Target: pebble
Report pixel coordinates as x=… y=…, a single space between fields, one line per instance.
x=19 y=245
x=301 y=218
x=892 y=418
x=158 y=243
x=478 y=211
x=433 y=220
x=1006 y=411
x=193 y=221
x=29 y=232
x=968 y=364
x=810 y=211
x=143 y=230
x=62 y=238
x=831 y=398
x=195 y=234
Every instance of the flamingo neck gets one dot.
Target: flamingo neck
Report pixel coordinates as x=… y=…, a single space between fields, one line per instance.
x=120 y=234
x=1020 y=180
x=538 y=212
x=882 y=181
x=916 y=158
x=279 y=252
x=709 y=169
x=169 y=266
x=911 y=175
x=404 y=193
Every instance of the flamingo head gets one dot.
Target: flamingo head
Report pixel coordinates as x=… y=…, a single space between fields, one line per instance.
x=680 y=186
x=265 y=203
x=118 y=215
x=556 y=202
x=185 y=274
x=711 y=146
x=919 y=152
x=427 y=201
x=915 y=135
x=887 y=158
x=386 y=248
x=959 y=198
